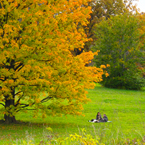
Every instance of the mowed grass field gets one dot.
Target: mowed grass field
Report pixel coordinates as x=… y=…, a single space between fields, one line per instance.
x=125 y=108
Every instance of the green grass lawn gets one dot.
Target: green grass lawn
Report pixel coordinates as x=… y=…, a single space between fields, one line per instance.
x=125 y=108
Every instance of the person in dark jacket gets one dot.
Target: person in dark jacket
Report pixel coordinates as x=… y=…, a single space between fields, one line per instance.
x=105 y=118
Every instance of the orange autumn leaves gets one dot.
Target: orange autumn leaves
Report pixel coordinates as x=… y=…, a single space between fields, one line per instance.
x=37 y=40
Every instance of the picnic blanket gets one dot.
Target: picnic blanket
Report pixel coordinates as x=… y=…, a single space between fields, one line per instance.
x=95 y=121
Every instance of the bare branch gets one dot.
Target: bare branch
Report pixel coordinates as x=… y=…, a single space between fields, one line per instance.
x=18 y=101
x=2 y=104
x=26 y=105
x=25 y=109
x=45 y=99
x=18 y=93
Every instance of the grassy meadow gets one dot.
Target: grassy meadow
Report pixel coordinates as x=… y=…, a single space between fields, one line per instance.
x=125 y=108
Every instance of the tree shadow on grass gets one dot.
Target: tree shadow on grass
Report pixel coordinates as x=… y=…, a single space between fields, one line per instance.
x=38 y=124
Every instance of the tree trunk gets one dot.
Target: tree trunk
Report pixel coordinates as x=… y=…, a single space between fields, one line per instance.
x=9 y=118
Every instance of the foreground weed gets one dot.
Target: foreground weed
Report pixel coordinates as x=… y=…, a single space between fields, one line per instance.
x=135 y=141
x=23 y=142
x=75 y=139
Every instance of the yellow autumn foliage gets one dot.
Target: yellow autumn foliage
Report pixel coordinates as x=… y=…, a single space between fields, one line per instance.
x=36 y=42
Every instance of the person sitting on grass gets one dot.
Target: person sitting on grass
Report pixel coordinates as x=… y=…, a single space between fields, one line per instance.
x=98 y=117
x=105 y=118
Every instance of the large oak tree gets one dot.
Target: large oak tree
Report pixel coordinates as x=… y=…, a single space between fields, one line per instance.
x=37 y=69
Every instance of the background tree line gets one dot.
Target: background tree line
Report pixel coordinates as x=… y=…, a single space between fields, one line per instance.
x=117 y=31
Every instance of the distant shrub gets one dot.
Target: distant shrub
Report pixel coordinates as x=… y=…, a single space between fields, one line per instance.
x=125 y=81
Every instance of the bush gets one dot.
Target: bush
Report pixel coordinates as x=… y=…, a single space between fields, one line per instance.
x=127 y=81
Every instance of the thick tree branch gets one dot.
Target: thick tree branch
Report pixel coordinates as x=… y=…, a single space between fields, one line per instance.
x=19 y=67
x=26 y=105
x=18 y=100
x=2 y=79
